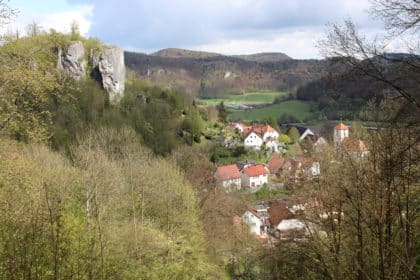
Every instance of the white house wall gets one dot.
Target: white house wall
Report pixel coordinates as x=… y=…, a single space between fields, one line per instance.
x=271 y=134
x=253 y=222
x=255 y=181
x=253 y=141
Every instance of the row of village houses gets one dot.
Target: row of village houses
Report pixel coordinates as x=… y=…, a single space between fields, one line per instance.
x=256 y=136
x=250 y=175
x=279 y=219
x=246 y=174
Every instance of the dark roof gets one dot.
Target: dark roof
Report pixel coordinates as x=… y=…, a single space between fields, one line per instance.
x=241 y=163
x=278 y=212
x=275 y=163
x=300 y=128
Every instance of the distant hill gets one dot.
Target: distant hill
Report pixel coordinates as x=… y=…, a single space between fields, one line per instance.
x=182 y=53
x=210 y=74
x=265 y=57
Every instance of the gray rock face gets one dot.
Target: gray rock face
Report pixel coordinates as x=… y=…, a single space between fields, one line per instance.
x=110 y=65
x=72 y=61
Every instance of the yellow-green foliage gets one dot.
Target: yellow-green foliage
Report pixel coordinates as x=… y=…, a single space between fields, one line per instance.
x=117 y=212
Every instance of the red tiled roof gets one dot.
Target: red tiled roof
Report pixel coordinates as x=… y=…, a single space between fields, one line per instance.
x=341 y=126
x=256 y=170
x=275 y=163
x=228 y=172
x=259 y=129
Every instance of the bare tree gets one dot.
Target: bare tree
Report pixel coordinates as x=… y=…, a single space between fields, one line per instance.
x=399 y=16
x=400 y=74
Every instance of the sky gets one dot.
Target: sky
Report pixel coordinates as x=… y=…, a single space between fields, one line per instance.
x=223 y=26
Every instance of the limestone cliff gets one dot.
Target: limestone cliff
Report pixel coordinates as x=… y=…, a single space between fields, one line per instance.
x=72 y=61
x=109 y=65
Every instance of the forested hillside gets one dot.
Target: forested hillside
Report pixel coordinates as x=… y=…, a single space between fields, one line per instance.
x=217 y=75
x=82 y=190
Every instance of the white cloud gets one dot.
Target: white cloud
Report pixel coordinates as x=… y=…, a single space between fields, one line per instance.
x=60 y=21
x=295 y=43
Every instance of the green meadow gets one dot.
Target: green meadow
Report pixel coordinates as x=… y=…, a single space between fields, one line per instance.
x=246 y=98
x=296 y=108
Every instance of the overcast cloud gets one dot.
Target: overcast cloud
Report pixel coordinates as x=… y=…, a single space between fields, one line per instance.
x=225 y=26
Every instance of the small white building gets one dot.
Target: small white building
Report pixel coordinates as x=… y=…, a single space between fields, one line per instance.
x=257 y=134
x=272 y=144
x=253 y=140
x=228 y=177
x=255 y=176
x=255 y=222
x=269 y=132
x=341 y=131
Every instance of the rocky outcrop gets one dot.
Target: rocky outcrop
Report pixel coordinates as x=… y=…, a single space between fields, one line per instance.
x=109 y=66
x=72 y=62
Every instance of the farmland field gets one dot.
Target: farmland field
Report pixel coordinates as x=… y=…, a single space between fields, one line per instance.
x=296 y=108
x=246 y=98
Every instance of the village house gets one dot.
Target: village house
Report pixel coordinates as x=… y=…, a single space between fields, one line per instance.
x=293 y=168
x=256 y=221
x=253 y=140
x=254 y=176
x=228 y=177
x=304 y=132
x=254 y=136
x=283 y=223
x=319 y=143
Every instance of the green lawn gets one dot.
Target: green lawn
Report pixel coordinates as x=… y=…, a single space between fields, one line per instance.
x=299 y=109
x=246 y=98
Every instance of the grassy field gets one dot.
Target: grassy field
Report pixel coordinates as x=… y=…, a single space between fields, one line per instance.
x=298 y=109
x=246 y=98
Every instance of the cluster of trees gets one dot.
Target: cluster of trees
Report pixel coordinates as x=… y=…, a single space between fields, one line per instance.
x=111 y=212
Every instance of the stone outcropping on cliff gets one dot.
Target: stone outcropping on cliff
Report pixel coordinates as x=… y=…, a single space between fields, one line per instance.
x=107 y=64
x=72 y=62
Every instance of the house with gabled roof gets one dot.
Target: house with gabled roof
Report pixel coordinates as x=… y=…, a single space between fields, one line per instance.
x=257 y=134
x=254 y=176
x=228 y=177
x=293 y=168
x=256 y=220
x=283 y=222
x=304 y=132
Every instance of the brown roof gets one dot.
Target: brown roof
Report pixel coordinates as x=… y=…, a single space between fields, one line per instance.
x=304 y=160
x=278 y=212
x=341 y=126
x=353 y=144
x=275 y=163
x=256 y=170
x=228 y=172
